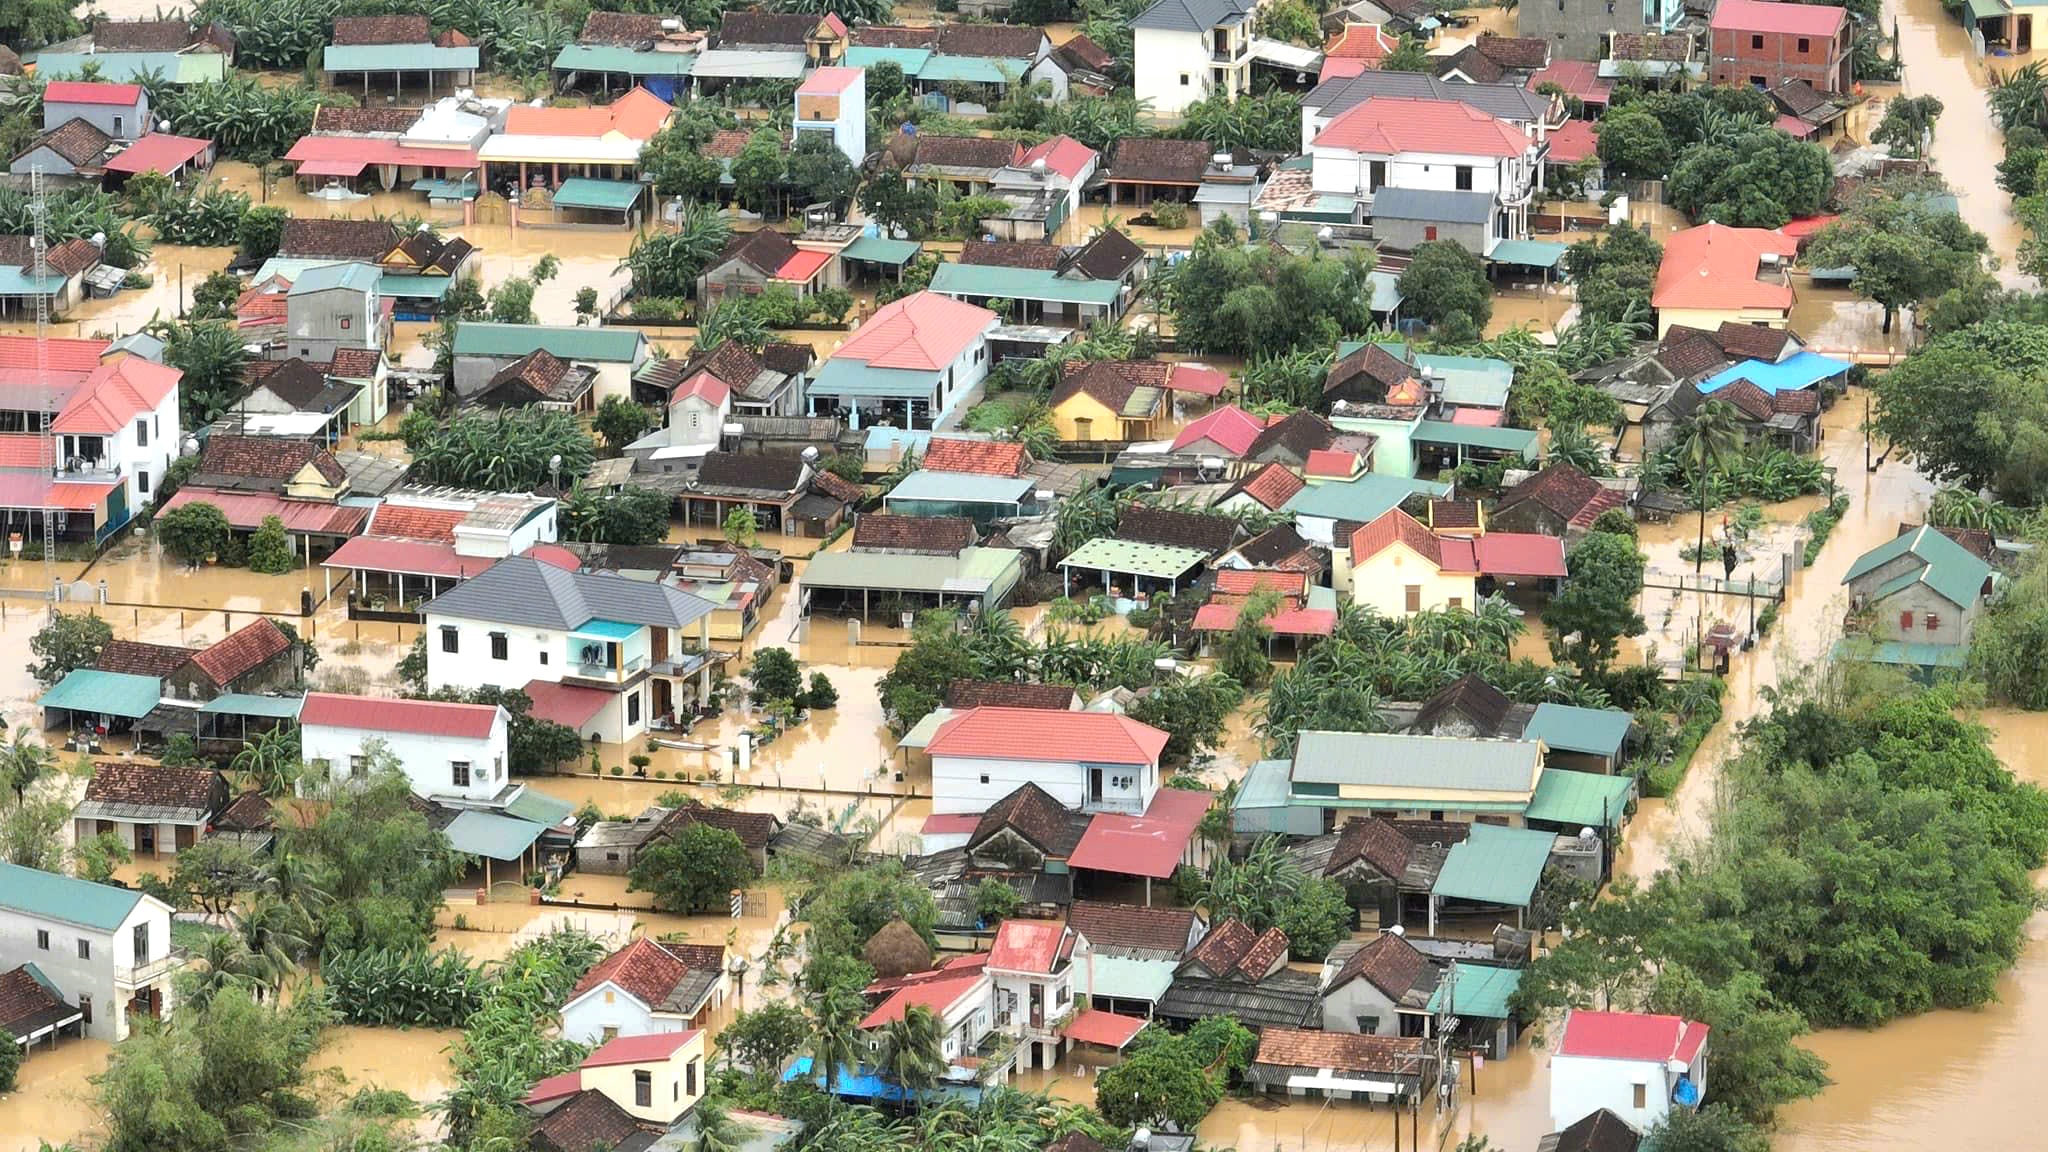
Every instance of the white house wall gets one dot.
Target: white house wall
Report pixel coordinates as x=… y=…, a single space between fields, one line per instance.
x=425 y=759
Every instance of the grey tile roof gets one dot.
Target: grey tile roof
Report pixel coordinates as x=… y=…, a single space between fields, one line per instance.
x=522 y=590
x=1399 y=761
x=1432 y=204
x=1192 y=15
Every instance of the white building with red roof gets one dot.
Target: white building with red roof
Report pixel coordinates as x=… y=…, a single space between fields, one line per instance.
x=116 y=430
x=1635 y=1065
x=657 y=1078
x=959 y=992
x=1397 y=566
x=1031 y=964
x=913 y=364
x=1088 y=761
x=1442 y=162
x=1044 y=187
x=448 y=751
x=833 y=102
x=1714 y=274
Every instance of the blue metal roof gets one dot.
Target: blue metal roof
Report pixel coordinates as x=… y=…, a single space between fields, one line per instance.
x=112 y=693
x=1801 y=370
x=1595 y=731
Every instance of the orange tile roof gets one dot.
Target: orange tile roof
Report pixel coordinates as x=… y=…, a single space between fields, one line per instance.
x=115 y=394
x=1036 y=734
x=243 y=649
x=981 y=457
x=1396 y=526
x=1360 y=42
x=1273 y=486
x=1715 y=267
x=1232 y=428
x=638 y=115
x=416 y=523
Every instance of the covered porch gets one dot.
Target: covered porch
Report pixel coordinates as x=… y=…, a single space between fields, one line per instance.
x=1159 y=564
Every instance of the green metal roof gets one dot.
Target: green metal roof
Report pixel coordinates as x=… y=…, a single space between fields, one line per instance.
x=123 y=67
x=1528 y=253
x=921 y=733
x=407 y=286
x=1130 y=557
x=111 y=693
x=1386 y=290
x=446 y=189
x=995 y=281
x=1595 y=731
x=1495 y=865
x=1128 y=978
x=539 y=807
x=879 y=250
x=608 y=195
x=1951 y=570
x=1520 y=440
x=613 y=58
x=1580 y=799
x=67 y=898
x=960 y=488
x=1364 y=499
x=972 y=70
x=911 y=60
x=1389 y=760
x=398 y=58
x=493 y=836
x=15 y=281
x=847 y=379
x=1909 y=655
x=974 y=572
x=1481 y=381
x=483 y=338
x=241 y=704
x=1264 y=785
x=1479 y=991
x=353 y=275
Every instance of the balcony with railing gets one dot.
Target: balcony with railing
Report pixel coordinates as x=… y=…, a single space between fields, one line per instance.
x=135 y=976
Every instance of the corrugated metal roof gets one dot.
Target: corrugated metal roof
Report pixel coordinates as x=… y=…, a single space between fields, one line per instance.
x=614 y=58
x=1365 y=499
x=241 y=704
x=1599 y=731
x=879 y=250
x=492 y=836
x=1159 y=561
x=398 y=58
x=941 y=68
x=1124 y=977
x=1580 y=799
x=608 y=195
x=975 y=570
x=176 y=67
x=1480 y=991
x=1495 y=865
x=1390 y=760
x=111 y=693
x=54 y=897
x=995 y=281
x=960 y=487
x=617 y=345
x=1519 y=440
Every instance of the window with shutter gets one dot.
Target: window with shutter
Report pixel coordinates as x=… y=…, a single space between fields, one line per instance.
x=1905 y=621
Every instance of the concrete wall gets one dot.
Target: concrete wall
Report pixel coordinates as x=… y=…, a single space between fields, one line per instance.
x=1739 y=56
x=1580 y=1086
x=427 y=760
x=1408 y=234
x=961 y=785
x=129 y=122
x=1381 y=583
x=105 y=975
x=673 y=1081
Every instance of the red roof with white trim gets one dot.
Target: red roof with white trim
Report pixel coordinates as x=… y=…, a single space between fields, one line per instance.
x=1039 y=735
x=938 y=990
x=115 y=393
x=387 y=714
x=91 y=92
x=1631 y=1036
x=802 y=265
x=1389 y=125
x=922 y=332
x=1108 y=1029
x=704 y=386
x=1714 y=267
x=1062 y=154
x=643 y=1049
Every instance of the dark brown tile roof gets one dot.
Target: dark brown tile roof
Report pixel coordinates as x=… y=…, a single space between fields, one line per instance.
x=1689 y=352
x=1747 y=399
x=1389 y=963
x=398 y=29
x=1523 y=53
x=1132 y=927
x=1798 y=97
x=27 y=1004
x=1561 y=488
x=964 y=152
x=1473 y=64
x=73 y=256
x=1009 y=694
x=753 y=828
x=758 y=472
x=1795 y=401
x=1453 y=514
x=1296 y=434
x=1342 y=1052
x=75 y=140
x=241 y=651
x=1108 y=256
x=1469 y=696
x=1372 y=365
x=151 y=785
x=836 y=487
x=1232 y=950
x=249 y=812
x=895 y=36
x=1601 y=1131
x=938 y=535
x=305 y=386
x=1274 y=546
x=1110 y=381
x=366 y=240
x=141 y=35
x=765 y=251
x=1751 y=341
x=1674 y=46
x=267 y=458
x=138 y=659
x=1006 y=41
x=540 y=373
x=357 y=363
x=757 y=27
x=1005 y=254
x=1146 y=160
x=588 y=1121
x=620 y=27
x=788 y=359
x=1032 y=813
x=1087 y=53
x=1171 y=526
x=730 y=362
x=1373 y=841
x=357 y=121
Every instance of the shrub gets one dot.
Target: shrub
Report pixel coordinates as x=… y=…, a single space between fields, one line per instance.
x=1170 y=214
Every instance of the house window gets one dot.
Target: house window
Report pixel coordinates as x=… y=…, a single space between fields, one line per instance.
x=1905 y=621
x=84 y=949
x=1756 y=44
x=612 y=857
x=142 y=482
x=459 y=770
x=1061 y=996
x=633 y=707
x=1642 y=1096
x=358 y=767
x=1462 y=177
x=43 y=939
x=1183 y=79
x=449 y=643
x=1368 y=1025
x=984 y=777
x=1436 y=814
x=1802 y=44
x=118 y=122
x=346 y=321
x=543 y=656
x=1413 y=598
x=501 y=648
x=1376 y=175
x=140 y=939
x=319 y=764
x=142 y=433
x=690 y=1077
x=643 y=1089
x=1933 y=621
x=1429 y=231
x=1455 y=603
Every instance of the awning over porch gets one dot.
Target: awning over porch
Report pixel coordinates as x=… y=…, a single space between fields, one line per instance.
x=92 y=691
x=1135 y=558
x=1107 y=1029
x=599 y=195
x=493 y=837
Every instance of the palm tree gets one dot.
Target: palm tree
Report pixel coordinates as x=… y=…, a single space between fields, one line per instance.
x=22 y=763
x=228 y=963
x=275 y=933
x=716 y=1131
x=835 y=1035
x=913 y=1050
x=271 y=760
x=1710 y=440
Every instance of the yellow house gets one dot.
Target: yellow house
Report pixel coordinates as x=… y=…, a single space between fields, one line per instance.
x=656 y=1078
x=1397 y=567
x=1108 y=401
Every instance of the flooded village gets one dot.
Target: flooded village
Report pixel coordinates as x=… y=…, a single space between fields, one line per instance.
x=1259 y=574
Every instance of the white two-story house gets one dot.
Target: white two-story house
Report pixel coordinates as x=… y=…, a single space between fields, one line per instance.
x=1031 y=964
x=448 y=751
x=1088 y=761
x=605 y=655
x=958 y=992
x=1634 y=1065
x=1183 y=50
x=121 y=426
x=1424 y=170
x=107 y=949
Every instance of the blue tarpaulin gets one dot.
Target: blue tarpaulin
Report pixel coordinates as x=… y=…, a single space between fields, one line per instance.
x=1802 y=370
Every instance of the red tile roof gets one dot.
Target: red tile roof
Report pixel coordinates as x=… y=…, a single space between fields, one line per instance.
x=247 y=510
x=115 y=393
x=1132 y=927
x=1330 y=462
x=90 y=92
x=1714 y=267
x=569 y=705
x=241 y=651
x=1197 y=380
x=1368 y=42
x=1573 y=141
x=646 y=1049
x=1272 y=486
x=829 y=81
x=403 y=554
x=1631 y=1036
x=922 y=332
x=1245 y=581
x=1341 y=1052
x=1062 y=154
x=1035 y=946
x=1108 y=1029
x=152 y=785
x=139 y=659
x=799 y=269
x=1035 y=734
x=158 y=152
x=25 y=450
x=381 y=714
x=643 y=968
x=415 y=522
x=637 y=115
x=1231 y=428
x=1395 y=526
x=1783 y=19
x=72 y=357
x=1526 y=554
x=1580 y=78
x=1290 y=620
x=1388 y=962
x=1388 y=125
x=981 y=457
x=937 y=990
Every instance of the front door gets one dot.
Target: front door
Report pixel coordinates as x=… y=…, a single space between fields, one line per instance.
x=146 y=1002
x=1095 y=785
x=1037 y=1007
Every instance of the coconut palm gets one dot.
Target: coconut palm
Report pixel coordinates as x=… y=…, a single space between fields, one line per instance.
x=225 y=962
x=1710 y=441
x=276 y=934
x=835 y=1034
x=913 y=1051
x=22 y=763
x=667 y=263
x=716 y=1131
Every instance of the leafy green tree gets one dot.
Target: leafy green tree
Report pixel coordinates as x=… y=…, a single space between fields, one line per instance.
x=209 y=353
x=1292 y=21
x=1193 y=711
x=1411 y=55
x=270 y=548
x=741 y=527
x=1158 y=1083
x=846 y=908
x=995 y=901
x=1971 y=406
x=10 y=1066
x=1613 y=273
x=34 y=23
x=1711 y=1129
x=1634 y=144
x=260 y=232
x=620 y=422
x=215 y=297
x=892 y=202
x=1759 y=180
x=628 y=516
x=1271 y=122
x=512 y=450
x=765 y=1038
x=694 y=870
x=820 y=172
x=1596 y=608
x=1315 y=919
x=667 y=263
x=1908 y=124
x=2009 y=646
x=757 y=172
x=1445 y=285
x=213 y=873
x=71 y=640
x=192 y=532
x=1229 y=299
x=886 y=83
x=370 y=868
x=773 y=675
x=1905 y=250
x=732 y=320
x=821 y=695
x=271 y=760
x=912 y=1052
x=511 y=301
